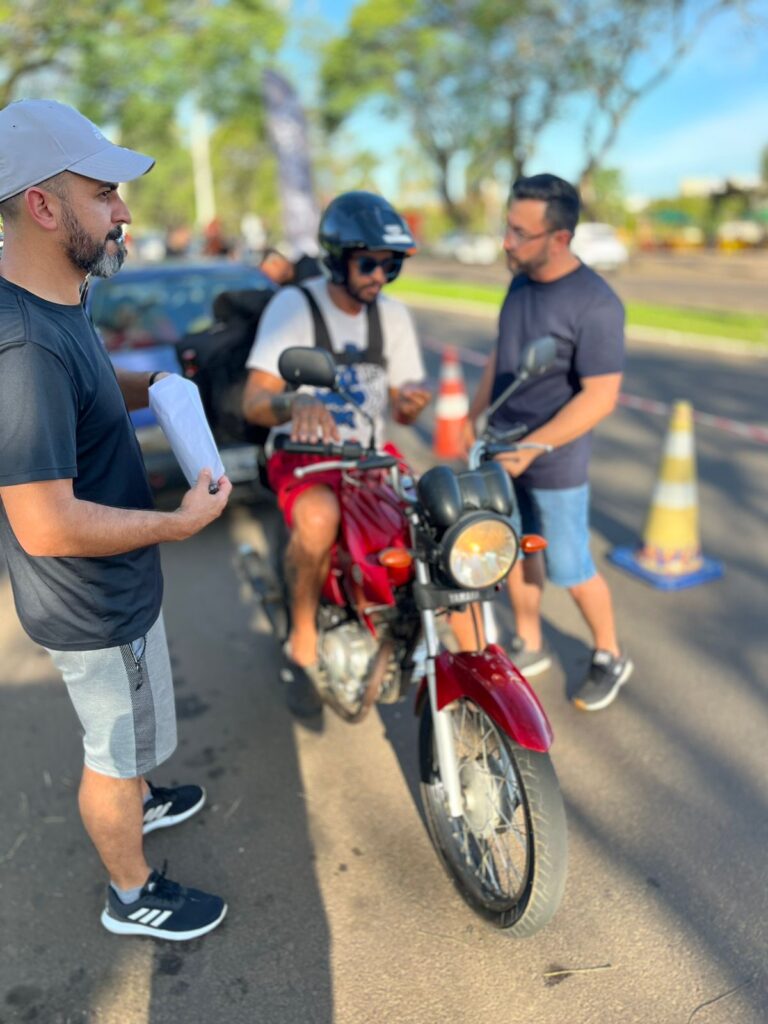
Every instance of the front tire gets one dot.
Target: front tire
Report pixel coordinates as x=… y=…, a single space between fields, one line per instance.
x=507 y=853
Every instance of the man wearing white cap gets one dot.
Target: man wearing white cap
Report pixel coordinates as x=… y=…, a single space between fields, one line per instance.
x=77 y=527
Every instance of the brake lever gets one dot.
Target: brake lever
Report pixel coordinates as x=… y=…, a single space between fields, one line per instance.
x=321 y=467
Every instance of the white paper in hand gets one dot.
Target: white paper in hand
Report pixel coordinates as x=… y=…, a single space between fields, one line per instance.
x=176 y=404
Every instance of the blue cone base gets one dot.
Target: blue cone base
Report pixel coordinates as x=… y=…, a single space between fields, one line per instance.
x=626 y=559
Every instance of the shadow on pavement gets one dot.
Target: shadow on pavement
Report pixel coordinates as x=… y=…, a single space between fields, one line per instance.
x=269 y=961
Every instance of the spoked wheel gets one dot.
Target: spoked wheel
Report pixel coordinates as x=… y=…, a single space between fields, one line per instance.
x=507 y=852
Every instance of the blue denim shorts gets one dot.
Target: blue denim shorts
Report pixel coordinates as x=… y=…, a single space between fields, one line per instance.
x=562 y=518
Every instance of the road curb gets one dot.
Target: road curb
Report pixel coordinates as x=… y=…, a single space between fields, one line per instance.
x=636 y=334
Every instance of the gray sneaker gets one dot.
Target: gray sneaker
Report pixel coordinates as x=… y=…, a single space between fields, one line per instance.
x=607 y=674
x=529 y=663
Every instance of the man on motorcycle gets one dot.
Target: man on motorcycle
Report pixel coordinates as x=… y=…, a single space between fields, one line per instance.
x=374 y=343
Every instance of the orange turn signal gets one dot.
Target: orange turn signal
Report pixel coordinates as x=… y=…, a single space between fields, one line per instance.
x=531 y=543
x=396 y=558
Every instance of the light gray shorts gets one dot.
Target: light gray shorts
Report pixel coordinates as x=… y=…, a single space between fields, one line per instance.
x=123 y=697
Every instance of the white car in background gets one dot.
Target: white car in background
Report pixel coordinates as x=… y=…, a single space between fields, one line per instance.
x=599 y=246
x=469 y=249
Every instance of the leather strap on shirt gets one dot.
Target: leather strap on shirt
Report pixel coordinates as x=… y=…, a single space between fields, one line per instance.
x=373 y=353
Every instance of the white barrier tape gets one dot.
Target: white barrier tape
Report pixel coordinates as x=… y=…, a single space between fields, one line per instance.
x=748 y=431
x=751 y=431
x=466 y=355
x=644 y=404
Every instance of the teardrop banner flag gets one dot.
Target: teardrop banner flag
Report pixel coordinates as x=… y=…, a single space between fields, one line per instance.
x=287 y=129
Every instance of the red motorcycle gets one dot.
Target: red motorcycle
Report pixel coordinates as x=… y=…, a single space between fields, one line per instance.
x=406 y=556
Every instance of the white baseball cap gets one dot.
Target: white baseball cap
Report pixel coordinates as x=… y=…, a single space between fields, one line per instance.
x=41 y=138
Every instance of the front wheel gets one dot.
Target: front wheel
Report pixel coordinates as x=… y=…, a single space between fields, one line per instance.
x=507 y=852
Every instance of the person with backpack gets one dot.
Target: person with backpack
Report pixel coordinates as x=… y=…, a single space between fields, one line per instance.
x=373 y=341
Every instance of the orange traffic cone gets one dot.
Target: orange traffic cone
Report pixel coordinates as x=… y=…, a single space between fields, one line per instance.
x=670 y=556
x=452 y=408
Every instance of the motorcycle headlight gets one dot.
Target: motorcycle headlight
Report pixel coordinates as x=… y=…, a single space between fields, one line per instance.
x=479 y=551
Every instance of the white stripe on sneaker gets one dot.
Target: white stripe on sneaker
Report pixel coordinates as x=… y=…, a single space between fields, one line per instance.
x=156 y=812
x=150 y=915
x=138 y=915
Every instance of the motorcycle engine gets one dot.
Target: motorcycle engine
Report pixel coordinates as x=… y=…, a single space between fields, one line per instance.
x=347 y=653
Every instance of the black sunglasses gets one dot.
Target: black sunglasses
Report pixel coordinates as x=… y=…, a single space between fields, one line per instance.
x=391 y=266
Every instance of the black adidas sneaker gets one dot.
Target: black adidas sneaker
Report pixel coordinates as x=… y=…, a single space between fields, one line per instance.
x=164 y=910
x=170 y=805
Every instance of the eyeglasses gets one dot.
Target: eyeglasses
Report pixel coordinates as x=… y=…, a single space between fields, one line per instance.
x=391 y=266
x=522 y=236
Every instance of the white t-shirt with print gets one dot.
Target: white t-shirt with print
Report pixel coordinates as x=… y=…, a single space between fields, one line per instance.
x=287 y=321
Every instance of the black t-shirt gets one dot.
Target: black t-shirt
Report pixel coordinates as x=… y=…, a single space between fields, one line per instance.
x=62 y=416
x=586 y=318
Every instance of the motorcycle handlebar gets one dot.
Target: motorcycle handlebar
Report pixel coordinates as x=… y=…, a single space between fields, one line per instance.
x=347 y=450
x=348 y=455
x=492 y=450
x=487 y=448
x=508 y=436
x=364 y=463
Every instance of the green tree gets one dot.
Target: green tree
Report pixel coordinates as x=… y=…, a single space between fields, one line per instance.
x=483 y=79
x=392 y=57
x=608 y=199
x=130 y=65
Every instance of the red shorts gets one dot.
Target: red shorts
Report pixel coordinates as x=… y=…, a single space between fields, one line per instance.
x=287 y=487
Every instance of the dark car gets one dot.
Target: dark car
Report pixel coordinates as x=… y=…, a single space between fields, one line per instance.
x=141 y=313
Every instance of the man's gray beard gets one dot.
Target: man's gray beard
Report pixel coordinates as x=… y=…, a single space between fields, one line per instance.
x=89 y=256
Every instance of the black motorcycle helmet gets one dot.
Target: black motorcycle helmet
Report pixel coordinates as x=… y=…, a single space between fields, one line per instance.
x=360 y=220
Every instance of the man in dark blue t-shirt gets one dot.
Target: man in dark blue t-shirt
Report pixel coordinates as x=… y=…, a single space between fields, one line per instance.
x=553 y=293
x=77 y=527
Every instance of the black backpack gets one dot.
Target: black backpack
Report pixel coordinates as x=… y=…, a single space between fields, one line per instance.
x=215 y=359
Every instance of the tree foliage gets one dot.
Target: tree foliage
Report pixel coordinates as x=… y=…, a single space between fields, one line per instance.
x=483 y=79
x=133 y=64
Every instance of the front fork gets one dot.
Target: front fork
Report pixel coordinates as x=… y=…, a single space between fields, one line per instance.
x=443 y=726
x=444 y=738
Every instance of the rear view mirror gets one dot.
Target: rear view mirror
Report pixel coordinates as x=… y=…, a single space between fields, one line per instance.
x=538 y=356
x=312 y=366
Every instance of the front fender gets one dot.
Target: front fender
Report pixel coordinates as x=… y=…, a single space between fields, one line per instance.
x=491 y=681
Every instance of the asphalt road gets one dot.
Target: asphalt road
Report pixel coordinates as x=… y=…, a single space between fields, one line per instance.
x=339 y=911
x=705 y=280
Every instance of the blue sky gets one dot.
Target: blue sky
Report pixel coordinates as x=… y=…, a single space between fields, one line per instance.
x=708 y=119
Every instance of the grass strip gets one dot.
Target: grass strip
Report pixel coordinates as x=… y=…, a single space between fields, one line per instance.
x=749 y=327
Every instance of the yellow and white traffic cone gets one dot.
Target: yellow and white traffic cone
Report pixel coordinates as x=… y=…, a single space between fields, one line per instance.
x=670 y=556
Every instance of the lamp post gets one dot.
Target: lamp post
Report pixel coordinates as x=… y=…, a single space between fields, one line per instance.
x=205 y=200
